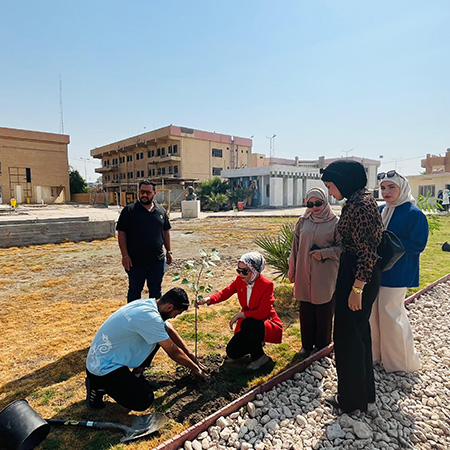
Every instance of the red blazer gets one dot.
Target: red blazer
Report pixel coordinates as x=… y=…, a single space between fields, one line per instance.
x=260 y=306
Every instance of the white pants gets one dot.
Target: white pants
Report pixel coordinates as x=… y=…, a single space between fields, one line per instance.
x=392 y=338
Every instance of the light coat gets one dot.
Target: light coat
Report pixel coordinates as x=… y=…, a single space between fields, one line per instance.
x=314 y=281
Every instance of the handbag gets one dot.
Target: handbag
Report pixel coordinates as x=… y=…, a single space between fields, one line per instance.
x=390 y=250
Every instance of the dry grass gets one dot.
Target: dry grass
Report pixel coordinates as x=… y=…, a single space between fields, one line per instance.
x=55 y=297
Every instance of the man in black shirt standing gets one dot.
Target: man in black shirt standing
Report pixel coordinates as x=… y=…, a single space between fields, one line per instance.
x=144 y=229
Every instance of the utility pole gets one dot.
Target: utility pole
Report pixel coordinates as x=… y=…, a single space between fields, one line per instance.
x=347 y=152
x=61 y=123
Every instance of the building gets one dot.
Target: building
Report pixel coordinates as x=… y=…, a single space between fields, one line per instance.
x=34 y=167
x=173 y=157
x=285 y=182
x=436 y=177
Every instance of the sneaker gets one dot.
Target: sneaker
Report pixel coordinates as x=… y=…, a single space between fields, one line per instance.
x=94 y=397
x=255 y=365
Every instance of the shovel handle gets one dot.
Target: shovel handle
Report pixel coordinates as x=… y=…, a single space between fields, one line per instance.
x=88 y=423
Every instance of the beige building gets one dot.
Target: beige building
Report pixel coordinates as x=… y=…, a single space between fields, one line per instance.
x=436 y=177
x=174 y=157
x=34 y=167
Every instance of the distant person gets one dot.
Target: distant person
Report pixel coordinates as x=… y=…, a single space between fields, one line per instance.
x=257 y=322
x=357 y=284
x=392 y=337
x=130 y=338
x=313 y=268
x=143 y=230
x=446 y=199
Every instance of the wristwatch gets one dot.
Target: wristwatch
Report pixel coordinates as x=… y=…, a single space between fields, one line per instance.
x=357 y=290
x=169 y=252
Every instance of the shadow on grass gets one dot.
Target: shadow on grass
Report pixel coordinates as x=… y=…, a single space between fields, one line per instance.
x=64 y=368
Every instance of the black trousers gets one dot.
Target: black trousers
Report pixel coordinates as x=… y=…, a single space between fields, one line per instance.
x=352 y=339
x=137 y=276
x=248 y=340
x=316 y=324
x=125 y=388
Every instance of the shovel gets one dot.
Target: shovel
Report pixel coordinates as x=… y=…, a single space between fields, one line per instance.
x=141 y=426
x=22 y=428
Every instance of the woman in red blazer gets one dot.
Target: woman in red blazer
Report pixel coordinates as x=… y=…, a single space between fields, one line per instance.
x=257 y=322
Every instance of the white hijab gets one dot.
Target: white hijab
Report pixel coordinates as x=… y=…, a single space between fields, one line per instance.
x=405 y=196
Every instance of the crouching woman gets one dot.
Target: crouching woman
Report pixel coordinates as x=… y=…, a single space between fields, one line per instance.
x=257 y=322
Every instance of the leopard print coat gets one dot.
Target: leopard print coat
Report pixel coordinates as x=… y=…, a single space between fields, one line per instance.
x=361 y=228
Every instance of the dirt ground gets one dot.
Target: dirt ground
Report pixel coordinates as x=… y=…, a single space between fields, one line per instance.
x=56 y=296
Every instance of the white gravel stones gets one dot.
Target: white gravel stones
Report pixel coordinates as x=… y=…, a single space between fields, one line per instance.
x=411 y=410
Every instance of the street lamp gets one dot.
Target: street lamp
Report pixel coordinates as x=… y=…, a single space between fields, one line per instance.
x=272 y=144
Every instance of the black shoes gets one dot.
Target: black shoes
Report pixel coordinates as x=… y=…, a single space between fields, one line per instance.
x=333 y=401
x=94 y=397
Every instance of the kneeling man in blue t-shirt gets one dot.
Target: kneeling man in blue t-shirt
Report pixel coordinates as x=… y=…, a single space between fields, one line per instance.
x=129 y=339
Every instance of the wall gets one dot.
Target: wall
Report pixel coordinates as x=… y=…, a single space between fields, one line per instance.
x=45 y=154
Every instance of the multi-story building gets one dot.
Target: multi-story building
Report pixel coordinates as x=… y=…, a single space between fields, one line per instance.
x=173 y=157
x=34 y=166
x=436 y=177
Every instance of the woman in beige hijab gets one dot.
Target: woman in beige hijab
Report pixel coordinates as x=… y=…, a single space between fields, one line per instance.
x=313 y=267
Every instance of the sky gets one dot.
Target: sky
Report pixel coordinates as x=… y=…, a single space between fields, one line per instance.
x=328 y=78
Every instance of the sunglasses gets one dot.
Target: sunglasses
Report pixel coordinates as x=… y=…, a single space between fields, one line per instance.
x=242 y=271
x=390 y=174
x=316 y=203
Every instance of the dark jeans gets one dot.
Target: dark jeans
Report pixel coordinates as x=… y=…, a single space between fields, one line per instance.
x=125 y=388
x=248 y=340
x=316 y=324
x=352 y=338
x=137 y=276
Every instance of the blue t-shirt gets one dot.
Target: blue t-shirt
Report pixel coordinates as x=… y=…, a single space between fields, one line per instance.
x=127 y=337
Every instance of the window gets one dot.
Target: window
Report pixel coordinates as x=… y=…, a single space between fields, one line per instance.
x=175 y=169
x=159 y=171
x=158 y=152
x=163 y=171
x=169 y=150
x=175 y=148
x=149 y=154
x=28 y=174
x=137 y=156
x=163 y=151
x=170 y=169
x=217 y=153
x=0 y=168
x=153 y=172
x=142 y=155
x=424 y=190
x=216 y=171
x=129 y=158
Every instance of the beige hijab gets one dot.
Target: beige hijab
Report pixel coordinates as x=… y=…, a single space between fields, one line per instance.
x=405 y=196
x=327 y=213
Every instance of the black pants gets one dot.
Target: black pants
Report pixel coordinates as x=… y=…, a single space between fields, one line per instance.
x=248 y=340
x=137 y=276
x=125 y=388
x=352 y=339
x=316 y=324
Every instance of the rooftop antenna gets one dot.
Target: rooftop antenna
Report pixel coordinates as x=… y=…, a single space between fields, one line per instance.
x=272 y=144
x=347 y=152
x=61 y=123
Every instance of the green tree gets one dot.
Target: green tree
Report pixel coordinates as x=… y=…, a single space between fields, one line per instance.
x=195 y=275
x=430 y=206
x=77 y=183
x=214 y=186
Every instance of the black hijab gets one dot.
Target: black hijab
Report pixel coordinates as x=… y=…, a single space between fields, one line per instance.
x=348 y=176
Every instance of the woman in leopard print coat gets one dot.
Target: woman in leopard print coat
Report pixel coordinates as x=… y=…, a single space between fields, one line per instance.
x=357 y=285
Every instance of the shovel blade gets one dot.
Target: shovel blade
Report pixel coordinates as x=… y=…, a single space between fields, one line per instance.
x=143 y=426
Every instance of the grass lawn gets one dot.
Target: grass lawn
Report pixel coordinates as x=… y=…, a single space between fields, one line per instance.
x=56 y=296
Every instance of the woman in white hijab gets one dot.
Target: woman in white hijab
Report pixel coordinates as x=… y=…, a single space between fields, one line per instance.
x=257 y=322
x=313 y=268
x=392 y=338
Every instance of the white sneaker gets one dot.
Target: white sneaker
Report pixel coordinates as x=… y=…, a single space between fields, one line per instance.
x=255 y=365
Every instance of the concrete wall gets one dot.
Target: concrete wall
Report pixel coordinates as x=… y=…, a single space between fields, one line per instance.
x=44 y=231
